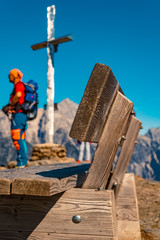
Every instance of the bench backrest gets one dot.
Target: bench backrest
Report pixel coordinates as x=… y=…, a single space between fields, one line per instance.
x=105 y=116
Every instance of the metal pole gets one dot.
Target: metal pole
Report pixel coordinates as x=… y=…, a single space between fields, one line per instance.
x=50 y=76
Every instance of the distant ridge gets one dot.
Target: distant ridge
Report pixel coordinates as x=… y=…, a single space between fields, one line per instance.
x=145 y=160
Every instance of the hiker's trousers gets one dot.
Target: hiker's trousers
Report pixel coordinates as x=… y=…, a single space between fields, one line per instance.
x=82 y=150
x=18 y=128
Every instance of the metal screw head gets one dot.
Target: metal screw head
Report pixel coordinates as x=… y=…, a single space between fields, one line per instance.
x=114 y=185
x=121 y=140
x=76 y=219
x=133 y=113
x=123 y=137
x=100 y=189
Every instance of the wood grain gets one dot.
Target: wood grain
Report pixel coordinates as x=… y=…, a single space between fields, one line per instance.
x=127 y=210
x=108 y=145
x=13 y=235
x=53 y=215
x=53 y=42
x=95 y=104
x=125 y=154
x=43 y=180
x=5 y=186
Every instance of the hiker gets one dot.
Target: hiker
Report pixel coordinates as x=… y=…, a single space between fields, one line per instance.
x=84 y=145
x=18 y=117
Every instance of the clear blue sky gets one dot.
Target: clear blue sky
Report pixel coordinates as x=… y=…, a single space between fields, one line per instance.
x=124 y=35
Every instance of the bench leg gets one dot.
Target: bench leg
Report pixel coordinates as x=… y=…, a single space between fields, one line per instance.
x=127 y=210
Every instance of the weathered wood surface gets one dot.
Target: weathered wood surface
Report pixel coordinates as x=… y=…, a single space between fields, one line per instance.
x=13 y=235
x=42 y=180
x=127 y=210
x=125 y=154
x=52 y=216
x=54 y=42
x=109 y=142
x=95 y=104
x=5 y=186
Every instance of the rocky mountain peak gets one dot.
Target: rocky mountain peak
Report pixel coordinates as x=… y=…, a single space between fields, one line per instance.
x=154 y=134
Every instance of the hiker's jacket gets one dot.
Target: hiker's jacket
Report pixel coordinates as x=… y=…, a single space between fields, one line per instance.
x=19 y=87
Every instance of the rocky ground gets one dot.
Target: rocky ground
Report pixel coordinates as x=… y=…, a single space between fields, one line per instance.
x=148 y=193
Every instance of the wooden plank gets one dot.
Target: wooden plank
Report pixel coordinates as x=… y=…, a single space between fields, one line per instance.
x=39 y=45
x=5 y=186
x=108 y=145
x=125 y=154
x=48 y=183
x=42 y=187
x=95 y=104
x=53 y=215
x=46 y=171
x=61 y=40
x=53 y=42
x=127 y=210
x=12 y=235
x=38 y=187
x=43 y=180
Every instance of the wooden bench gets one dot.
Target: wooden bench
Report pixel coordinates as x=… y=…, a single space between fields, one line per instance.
x=79 y=201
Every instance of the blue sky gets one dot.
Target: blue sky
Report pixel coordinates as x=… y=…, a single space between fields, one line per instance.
x=124 y=35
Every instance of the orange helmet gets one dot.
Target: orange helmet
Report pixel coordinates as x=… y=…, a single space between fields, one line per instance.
x=16 y=73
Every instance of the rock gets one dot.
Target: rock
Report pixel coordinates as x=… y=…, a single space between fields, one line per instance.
x=61 y=154
x=48 y=151
x=3 y=168
x=11 y=164
x=53 y=160
x=35 y=158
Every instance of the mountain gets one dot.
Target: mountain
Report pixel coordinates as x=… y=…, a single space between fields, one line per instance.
x=145 y=160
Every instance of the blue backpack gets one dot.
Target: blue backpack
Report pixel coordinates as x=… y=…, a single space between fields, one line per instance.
x=31 y=99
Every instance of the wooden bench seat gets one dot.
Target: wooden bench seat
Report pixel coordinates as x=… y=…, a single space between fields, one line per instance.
x=94 y=201
x=42 y=180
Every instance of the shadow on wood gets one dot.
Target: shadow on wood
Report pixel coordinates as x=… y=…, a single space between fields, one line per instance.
x=65 y=172
x=21 y=215
x=24 y=217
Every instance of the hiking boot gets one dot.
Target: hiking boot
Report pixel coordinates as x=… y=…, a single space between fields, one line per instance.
x=78 y=161
x=88 y=161
x=20 y=166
